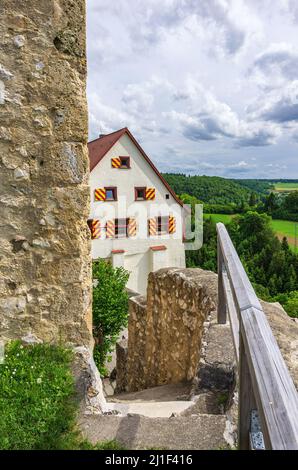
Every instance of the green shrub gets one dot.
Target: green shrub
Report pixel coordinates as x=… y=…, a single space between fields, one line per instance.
x=289 y=302
x=110 y=308
x=37 y=408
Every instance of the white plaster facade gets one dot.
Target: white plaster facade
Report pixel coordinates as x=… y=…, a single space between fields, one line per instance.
x=141 y=253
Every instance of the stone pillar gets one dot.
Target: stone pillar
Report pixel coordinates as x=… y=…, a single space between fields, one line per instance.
x=45 y=263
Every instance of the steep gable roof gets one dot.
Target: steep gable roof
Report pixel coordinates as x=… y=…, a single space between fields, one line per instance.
x=98 y=148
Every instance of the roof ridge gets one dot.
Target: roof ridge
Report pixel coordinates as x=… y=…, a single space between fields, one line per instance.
x=106 y=135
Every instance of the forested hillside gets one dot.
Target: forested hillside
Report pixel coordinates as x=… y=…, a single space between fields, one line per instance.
x=270 y=264
x=210 y=189
x=258 y=186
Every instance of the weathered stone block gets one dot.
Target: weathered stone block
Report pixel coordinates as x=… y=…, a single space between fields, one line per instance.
x=45 y=263
x=164 y=335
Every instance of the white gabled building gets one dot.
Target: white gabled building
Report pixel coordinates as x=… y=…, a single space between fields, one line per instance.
x=136 y=219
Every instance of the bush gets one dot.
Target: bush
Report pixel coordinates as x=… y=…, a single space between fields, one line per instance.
x=110 y=308
x=37 y=407
x=289 y=302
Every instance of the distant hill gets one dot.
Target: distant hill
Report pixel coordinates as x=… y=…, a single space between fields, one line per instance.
x=258 y=186
x=209 y=189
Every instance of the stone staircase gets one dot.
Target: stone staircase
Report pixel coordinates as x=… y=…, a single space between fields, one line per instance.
x=156 y=402
x=140 y=432
x=177 y=416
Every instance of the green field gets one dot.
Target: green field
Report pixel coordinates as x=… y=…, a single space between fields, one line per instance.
x=285 y=187
x=282 y=228
x=285 y=228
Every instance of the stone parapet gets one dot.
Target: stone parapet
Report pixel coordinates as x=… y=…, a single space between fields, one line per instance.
x=164 y=333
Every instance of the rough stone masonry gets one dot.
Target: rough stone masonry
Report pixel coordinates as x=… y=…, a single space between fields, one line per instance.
x=165 y=332
x=45 y=278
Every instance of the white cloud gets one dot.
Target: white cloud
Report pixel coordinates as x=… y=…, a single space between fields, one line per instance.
x=275 y=66
x=206 y=119
x=206 y=77
x=105 y=119
x=280 y=108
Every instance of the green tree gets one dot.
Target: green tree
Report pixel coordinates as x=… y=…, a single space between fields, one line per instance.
x=270 y=264
x=271 y=203
x=291 y=202
x=289 y=302
x=253 y=199
x=110 y=308
x=285 y=244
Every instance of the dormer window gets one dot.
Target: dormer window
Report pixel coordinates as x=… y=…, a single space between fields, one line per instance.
x=124 y=162
x=111 y=194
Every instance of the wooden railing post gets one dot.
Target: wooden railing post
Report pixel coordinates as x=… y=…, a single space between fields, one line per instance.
x=246 y=399
x=221 y=303
x=264 y=378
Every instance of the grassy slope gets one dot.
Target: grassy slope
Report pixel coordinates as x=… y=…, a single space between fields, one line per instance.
x=37 y=401
x=37 y=409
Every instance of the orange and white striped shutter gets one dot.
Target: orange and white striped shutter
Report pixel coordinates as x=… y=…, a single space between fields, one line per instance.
x=100 y=194
x=110 y=229
x=132 y=227
x=116 y=162
x=152 y=226
x=95 y=229
x=172 y=224
x=150 y=194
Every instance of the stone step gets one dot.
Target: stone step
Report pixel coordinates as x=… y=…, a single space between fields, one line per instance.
x=163 y=409
x=169 y=392
x=203 y=432
x=207 y=403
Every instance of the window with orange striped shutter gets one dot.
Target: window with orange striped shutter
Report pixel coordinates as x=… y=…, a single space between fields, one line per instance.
x=100 y=194
x=172 y=224
x=150 y=194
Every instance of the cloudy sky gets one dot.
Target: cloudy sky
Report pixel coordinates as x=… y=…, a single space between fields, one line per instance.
x=206 y=86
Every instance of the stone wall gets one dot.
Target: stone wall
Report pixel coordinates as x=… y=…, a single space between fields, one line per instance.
x=45 y=277
x=164 y=335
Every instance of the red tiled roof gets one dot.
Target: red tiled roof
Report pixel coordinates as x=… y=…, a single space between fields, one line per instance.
x=99 y=147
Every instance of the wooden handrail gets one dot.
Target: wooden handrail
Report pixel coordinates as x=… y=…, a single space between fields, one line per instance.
x=265 y=383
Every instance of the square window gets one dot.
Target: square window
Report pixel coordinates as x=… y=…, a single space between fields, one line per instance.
x=111 y=194
x=121 y=228
x=162 y=225
x=140 y=194
x=167 y=196
x=125 y=162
